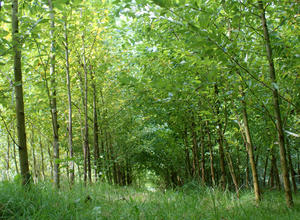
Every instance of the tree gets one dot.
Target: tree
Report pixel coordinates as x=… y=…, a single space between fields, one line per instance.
x=19 y=95
x=280 y=134
x=52 y=98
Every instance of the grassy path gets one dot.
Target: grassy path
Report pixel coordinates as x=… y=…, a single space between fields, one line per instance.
x=101 y=201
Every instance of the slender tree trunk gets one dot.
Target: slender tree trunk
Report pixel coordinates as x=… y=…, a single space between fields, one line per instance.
x=274 y=171
x=14 y=151
x=196 y=166
x=8 y=154
x=247 y=172
x=233 y=176
x=106 y=148
x=34 y=166
x=249 y=147
x=187 y=154
x=55 y=125
x=280 y=134
x=83 y=147
x=51 y=162
x=86 y=126
x=211 y=156
x=293 y=173
x=70 y=125
x=42 y=158
x=96 y=130
x=271 y=176
x=23 y=155
x=265 y=169
x=202 y=159
x=298 y=159
x=220 y=141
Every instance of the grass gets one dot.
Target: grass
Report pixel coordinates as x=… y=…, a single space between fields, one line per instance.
x=41 y=201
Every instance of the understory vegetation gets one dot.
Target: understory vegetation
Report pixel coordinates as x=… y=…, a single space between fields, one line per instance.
x=103 y=201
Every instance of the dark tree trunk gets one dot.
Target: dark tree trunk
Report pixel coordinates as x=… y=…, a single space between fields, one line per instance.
x=202 y=159
x=265 y=169
x=196 y=166
x=187 y=154
x=220 y=142
x=96 y=130
x=293 y=173
x=23 y=155
x=211 y=156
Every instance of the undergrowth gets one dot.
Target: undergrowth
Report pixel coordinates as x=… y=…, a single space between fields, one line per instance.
x=101 y=201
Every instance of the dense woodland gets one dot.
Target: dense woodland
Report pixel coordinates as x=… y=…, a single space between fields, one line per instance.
x=171 y=92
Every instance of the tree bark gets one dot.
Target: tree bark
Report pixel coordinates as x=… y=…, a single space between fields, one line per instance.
x=280 y=134
x=293 y=173
x=51 y=162
x=23 y=155
x=220 y=141
x=202 y=159
x=96 y=129
x=34 y=165
x=187 y=154
x=274 y=172
x=8 y=154
x=233 y=176
x=249 y=147
x=211 y=156
x=70 y=125
x=196 y=166
x=14 y=151
x=55 y=126
x=265 y=169
x=86 y=126
x=42 y=159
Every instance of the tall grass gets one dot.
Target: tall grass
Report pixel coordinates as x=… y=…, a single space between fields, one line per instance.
x=101 y=201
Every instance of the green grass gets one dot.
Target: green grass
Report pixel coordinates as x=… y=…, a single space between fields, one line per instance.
x=109 y=202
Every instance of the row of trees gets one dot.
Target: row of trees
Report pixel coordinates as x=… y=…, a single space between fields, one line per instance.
x=190 y=90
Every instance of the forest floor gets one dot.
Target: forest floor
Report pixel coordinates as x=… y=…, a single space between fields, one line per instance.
x=101 y=201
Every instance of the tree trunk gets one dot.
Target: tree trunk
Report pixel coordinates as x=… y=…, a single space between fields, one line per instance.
x=34 y=166
x=196 y=166
x=274 y=172
x=51 y=162
x=8 y=154
x=233 y=176
x=14 y=151
x=249 y=147
x=86 y=126
x=265 y=169
x=23 y=155
x=96 y=129
x=202 y=159
x=247 y=172
x=298 y=159
x=187 y=154
x=293 y=173
x=55 y=125
x=280 y=134
x=42 y=158
x=211 y=156
x=70 y=126
x=83 y=146
x=220 y=141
